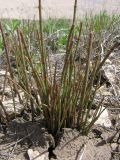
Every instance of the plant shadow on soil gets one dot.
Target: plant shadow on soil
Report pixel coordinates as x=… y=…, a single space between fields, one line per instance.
x=22 y=136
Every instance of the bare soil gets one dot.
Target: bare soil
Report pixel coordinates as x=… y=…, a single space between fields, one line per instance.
x=100 y=144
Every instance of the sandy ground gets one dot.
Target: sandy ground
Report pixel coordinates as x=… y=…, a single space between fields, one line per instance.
x=55 y=8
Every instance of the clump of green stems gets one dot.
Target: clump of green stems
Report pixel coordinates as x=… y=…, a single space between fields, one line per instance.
x=67 y=102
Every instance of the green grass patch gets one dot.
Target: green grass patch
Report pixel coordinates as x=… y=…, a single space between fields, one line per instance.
x=56 y=30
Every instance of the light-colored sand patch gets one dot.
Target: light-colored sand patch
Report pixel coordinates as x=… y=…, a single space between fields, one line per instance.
x=55 y=8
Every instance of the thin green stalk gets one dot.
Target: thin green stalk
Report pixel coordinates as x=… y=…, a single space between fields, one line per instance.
x=79 y=36
x=43 y=55
x=85 y=81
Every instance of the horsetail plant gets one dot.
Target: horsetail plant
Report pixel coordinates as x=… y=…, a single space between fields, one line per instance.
x=65 y=102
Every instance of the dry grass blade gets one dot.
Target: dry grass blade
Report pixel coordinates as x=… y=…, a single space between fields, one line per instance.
x=4 y=110
x=6 y=50
x=116 y=45
x=4 y=85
